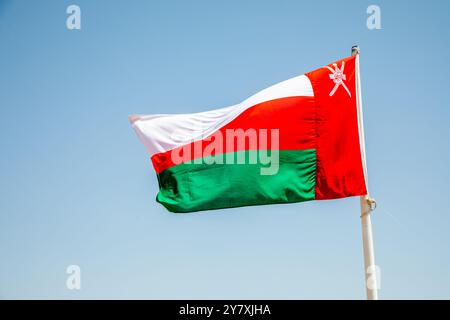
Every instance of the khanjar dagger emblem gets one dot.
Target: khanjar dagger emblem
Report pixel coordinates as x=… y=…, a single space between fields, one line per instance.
x=338 y=77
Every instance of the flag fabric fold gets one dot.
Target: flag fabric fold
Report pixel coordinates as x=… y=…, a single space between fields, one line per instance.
x=295 y=141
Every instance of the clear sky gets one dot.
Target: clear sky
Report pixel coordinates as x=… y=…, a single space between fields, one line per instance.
x=77 y=187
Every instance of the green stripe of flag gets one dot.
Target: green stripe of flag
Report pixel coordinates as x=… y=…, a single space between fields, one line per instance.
x=203 y=186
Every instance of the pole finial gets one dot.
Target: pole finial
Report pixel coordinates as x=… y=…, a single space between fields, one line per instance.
x=355 y=50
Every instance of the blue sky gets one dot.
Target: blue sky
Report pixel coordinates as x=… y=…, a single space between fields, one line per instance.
x=77 y=187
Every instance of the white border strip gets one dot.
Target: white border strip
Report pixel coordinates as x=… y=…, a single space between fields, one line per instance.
x=362 y=143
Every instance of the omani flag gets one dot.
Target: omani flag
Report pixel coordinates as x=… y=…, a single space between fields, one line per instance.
x=297 y=140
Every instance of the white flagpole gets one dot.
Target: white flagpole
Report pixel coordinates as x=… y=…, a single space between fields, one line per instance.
x=370 y=270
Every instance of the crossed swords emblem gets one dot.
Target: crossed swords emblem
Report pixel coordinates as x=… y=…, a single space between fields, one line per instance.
x=338 y=77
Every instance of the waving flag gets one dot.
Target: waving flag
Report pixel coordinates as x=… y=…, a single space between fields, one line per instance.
x=295 y=141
